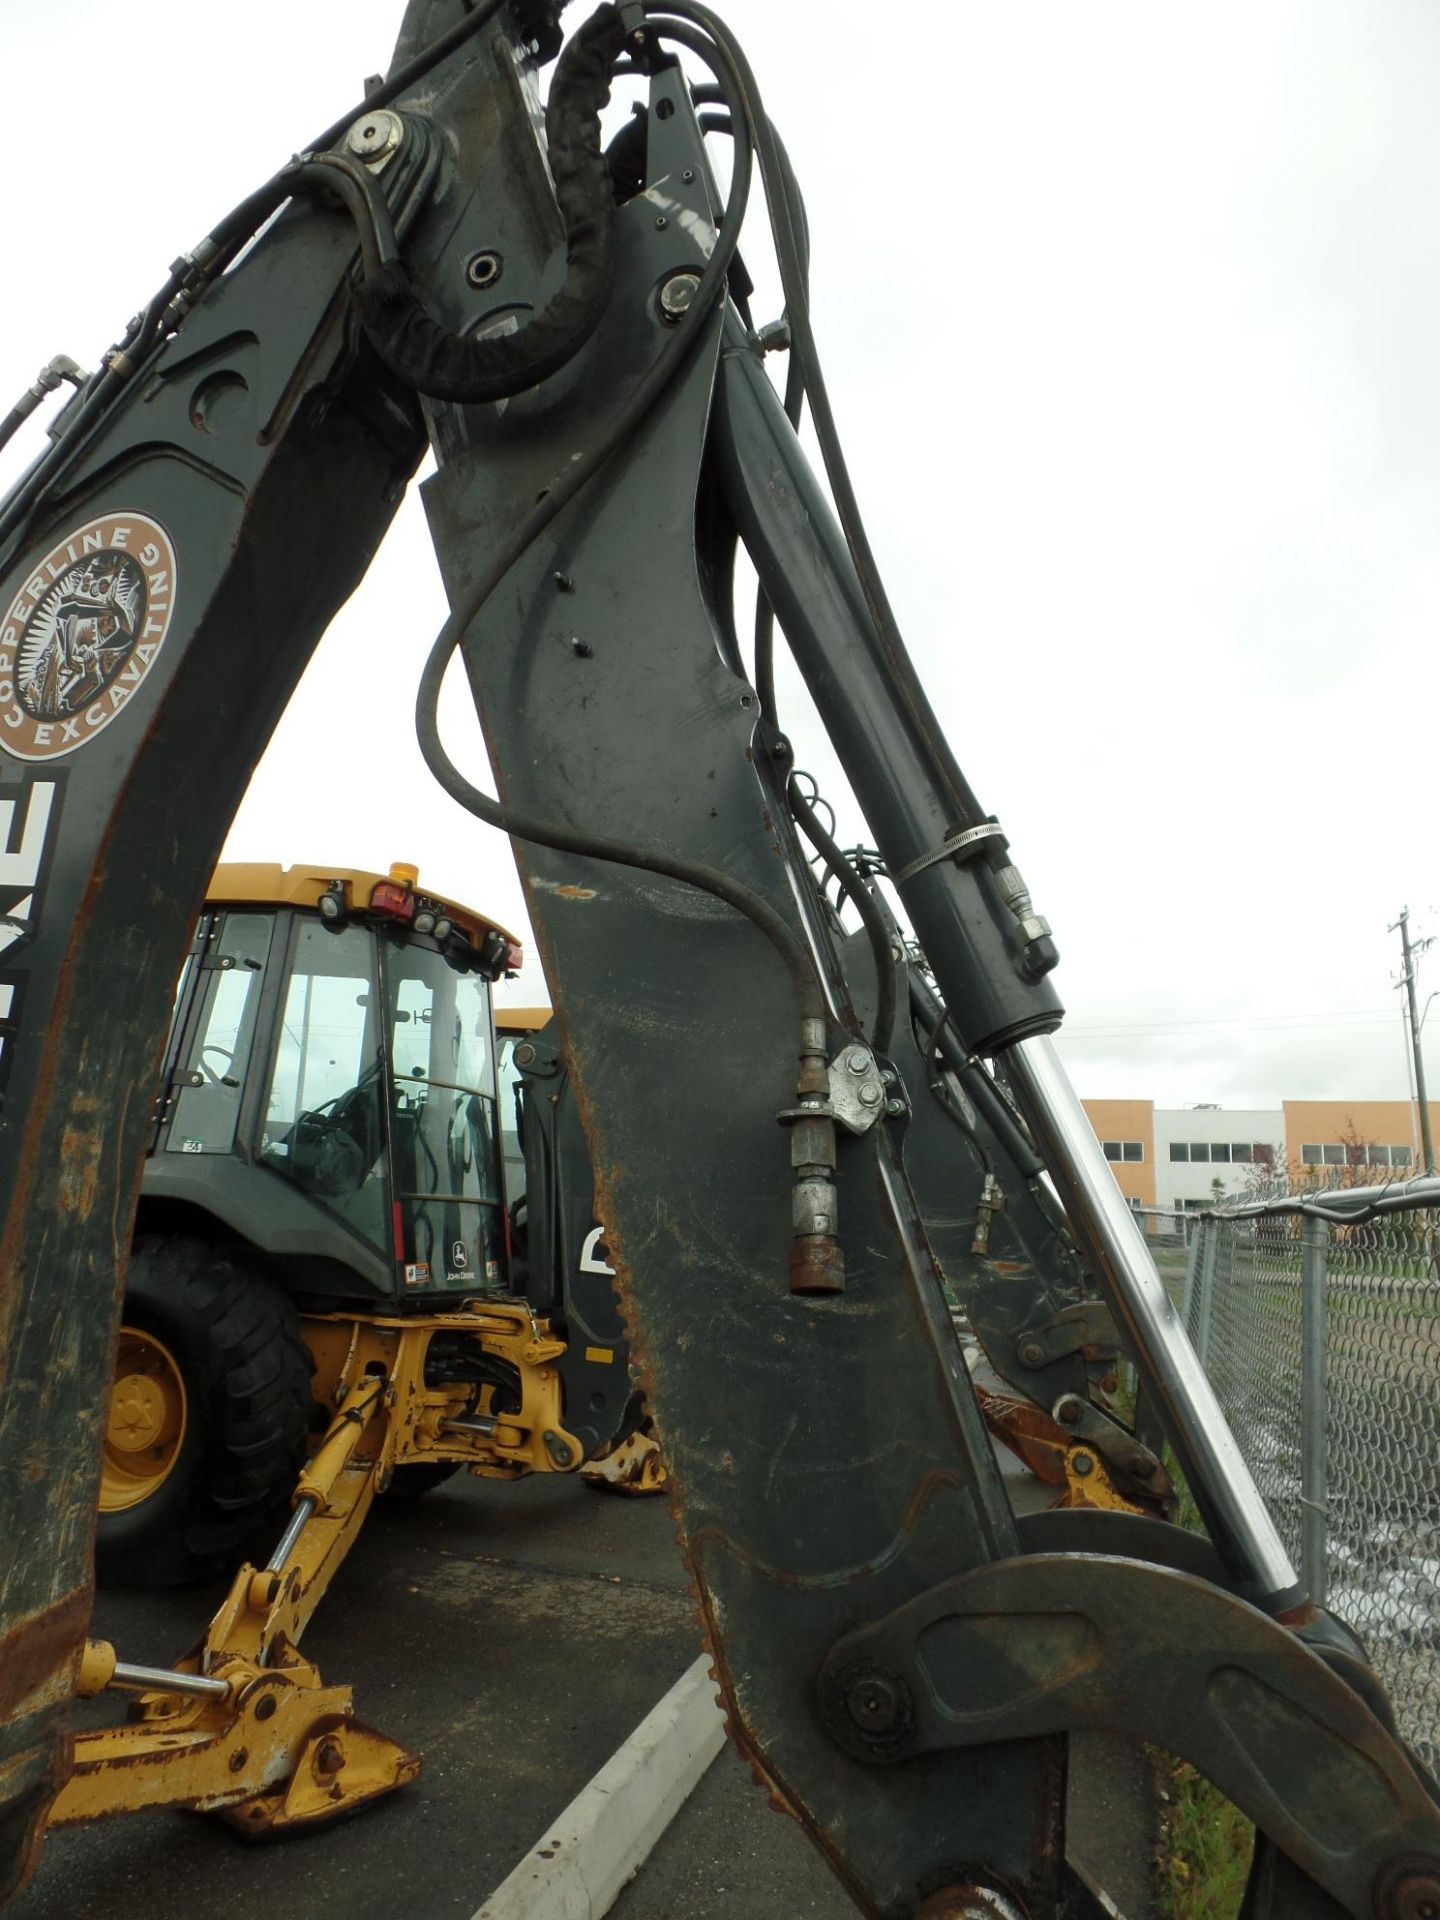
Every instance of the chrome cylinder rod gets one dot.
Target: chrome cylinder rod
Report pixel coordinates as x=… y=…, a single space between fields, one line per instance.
x=1224 y=1489
x=134 y=1679
x=286 y=1545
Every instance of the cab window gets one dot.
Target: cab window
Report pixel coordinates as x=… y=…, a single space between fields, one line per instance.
x=324 y=1121
x=218 y=1051
x=446 y=1140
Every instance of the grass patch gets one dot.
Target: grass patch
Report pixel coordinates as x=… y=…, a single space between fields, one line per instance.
x=1205 y=1846
x=1205 y=1842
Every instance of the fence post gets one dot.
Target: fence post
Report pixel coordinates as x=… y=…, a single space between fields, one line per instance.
x=1192 y=1267
x=1314 y=1439
x=1206 y=1282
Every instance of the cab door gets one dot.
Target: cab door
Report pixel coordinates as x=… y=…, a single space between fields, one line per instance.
x=323 y=1123
x=449 y=1195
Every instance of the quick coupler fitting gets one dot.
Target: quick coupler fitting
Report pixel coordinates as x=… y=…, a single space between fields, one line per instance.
x=1038 y=952
x=817 y=1264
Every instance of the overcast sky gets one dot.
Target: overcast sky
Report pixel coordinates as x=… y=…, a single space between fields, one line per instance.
x=1131 y=316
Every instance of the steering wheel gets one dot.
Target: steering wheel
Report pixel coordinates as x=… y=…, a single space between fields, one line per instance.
x=215 y=1079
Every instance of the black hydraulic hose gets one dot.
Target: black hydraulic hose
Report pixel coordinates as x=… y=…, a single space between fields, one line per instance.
x=707 y=95
x=890 y=646
x=12 y=423
x=210 y=258
x=794 y=401
x=776 y=181
x=50 y=376
x=364 y=202
x=429 y=358
x=930 y=1016
x=567 y=839
x=876 y=926
x=557 y=835
x=246 y=218
x=931 y=1052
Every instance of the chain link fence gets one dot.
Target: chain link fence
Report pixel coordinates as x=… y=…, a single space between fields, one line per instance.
x=1318 y=1323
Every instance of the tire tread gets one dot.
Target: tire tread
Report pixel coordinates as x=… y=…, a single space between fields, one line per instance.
x=247 y=1363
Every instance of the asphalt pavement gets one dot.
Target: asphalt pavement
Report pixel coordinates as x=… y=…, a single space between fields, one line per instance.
x=515 y=1635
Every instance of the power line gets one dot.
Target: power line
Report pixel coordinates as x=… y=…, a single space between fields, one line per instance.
x=1270 y=1022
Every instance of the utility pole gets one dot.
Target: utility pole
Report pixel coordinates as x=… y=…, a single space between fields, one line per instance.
x=1412 y=952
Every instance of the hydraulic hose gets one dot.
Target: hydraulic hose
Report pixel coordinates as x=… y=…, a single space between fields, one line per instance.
x=459 y=367
x=215 y=252
x=577 y=473
x=888 y=642
x=883 y=1031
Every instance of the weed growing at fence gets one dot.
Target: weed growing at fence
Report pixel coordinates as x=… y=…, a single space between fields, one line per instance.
x=1205 y=1842
x=1205 y=1846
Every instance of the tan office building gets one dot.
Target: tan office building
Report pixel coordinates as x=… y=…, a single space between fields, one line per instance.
x=1126 y=1131
x=1322 y=1135
x=1166 y=1159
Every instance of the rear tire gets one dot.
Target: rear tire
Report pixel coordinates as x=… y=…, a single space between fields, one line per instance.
x=241 y=1375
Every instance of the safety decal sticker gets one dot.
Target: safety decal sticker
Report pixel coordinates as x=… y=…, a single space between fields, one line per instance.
x=82 y=633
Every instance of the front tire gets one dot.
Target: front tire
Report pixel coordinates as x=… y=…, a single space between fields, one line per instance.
x=208 y=1415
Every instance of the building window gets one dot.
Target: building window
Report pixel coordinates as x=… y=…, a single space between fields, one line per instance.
x=1134 y=1150
x=1387 y=1156
x=1124 y=1150
x=1241 y=1153
x=1345 y=1154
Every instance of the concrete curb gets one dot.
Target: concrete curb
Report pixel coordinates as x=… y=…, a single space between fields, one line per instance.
x=606 y=1833
x=1093 y=1887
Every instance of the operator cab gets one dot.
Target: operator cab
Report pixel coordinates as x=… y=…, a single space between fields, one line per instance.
x=330 y=1090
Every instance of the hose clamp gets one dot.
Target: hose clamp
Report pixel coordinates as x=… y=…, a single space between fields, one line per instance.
x=959 y=847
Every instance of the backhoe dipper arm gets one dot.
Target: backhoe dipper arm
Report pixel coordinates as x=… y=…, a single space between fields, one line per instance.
x=899 y=1662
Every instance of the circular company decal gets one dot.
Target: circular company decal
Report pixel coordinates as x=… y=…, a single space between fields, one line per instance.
x=83 y=632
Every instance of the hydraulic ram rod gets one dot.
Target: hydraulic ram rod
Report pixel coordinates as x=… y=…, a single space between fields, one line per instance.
x=902 y=782
x=1235 y=1514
